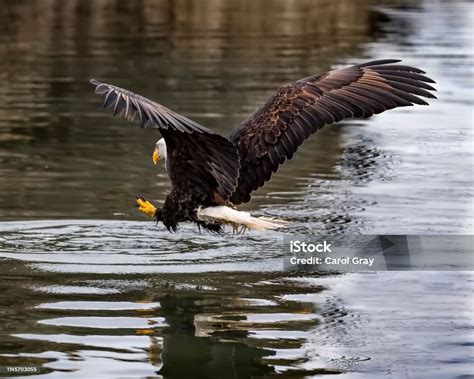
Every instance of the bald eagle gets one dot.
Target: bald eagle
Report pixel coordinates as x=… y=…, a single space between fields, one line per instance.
x=211 y=174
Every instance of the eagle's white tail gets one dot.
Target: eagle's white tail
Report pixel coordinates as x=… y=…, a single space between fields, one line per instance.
x=236 y=218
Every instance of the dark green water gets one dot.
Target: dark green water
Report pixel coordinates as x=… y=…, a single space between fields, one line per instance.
x=90 y=289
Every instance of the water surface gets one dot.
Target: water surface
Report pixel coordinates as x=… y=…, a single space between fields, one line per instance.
x=91 y=289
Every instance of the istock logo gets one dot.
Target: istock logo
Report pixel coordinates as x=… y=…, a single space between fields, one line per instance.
x=307 y=247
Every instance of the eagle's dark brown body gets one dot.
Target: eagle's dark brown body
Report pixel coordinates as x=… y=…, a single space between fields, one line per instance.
x=181 y=206
x=208 y=170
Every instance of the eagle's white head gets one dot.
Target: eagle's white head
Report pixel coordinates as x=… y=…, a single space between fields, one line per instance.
x=160 y=151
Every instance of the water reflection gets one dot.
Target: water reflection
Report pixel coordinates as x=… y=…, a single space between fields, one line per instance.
x=222 y=323
x=78 y=323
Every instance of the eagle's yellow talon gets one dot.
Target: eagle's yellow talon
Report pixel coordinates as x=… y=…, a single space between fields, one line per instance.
x=145 y=206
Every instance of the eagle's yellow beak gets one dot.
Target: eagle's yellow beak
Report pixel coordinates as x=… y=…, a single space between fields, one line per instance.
x=156 y=156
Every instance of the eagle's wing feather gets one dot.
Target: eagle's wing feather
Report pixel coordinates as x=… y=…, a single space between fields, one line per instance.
x=274 y=132
x=201 y=161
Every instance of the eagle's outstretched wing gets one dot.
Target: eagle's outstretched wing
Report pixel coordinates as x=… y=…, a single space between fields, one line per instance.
x=201 y=161
x=274 y=132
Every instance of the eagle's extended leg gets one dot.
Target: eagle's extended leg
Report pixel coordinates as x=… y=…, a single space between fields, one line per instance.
x=242 y=229
x=235 y=228
x=145 y=206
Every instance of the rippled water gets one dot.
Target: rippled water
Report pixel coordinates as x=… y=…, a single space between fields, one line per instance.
x=89 y=289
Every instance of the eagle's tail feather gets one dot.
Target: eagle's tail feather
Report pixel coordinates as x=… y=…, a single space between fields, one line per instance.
x=227 y=215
